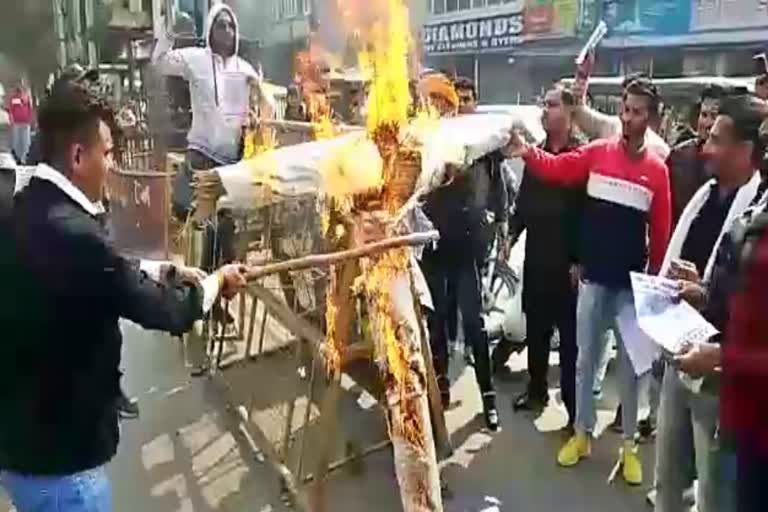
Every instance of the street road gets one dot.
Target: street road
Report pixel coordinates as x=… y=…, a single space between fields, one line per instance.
x=181 y=455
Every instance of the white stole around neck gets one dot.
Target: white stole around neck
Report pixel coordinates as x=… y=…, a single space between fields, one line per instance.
x=744 y=197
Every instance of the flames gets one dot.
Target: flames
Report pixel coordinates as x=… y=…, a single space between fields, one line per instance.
x=314 y=91
x=387 y=60
x=380 y=165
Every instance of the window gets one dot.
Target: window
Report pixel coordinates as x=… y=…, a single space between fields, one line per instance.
x=443 y=6
x=290 y=8
x=276 y=9
x=438 y=6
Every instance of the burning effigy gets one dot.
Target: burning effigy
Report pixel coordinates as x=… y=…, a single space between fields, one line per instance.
x=368 y=184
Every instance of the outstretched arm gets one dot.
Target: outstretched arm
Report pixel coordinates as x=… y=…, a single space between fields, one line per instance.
x=595 y=124
x=168 y=61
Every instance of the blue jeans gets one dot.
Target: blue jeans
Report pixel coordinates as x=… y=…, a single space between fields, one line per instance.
x=21 y=136
x=88 y=491
x=597 y=310
x=688 y=431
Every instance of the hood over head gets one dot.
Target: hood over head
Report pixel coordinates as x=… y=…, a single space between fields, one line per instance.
x=212 y=15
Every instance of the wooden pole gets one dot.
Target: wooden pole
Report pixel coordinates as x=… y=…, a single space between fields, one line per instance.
x=326 y=260
x=341 y=315
x=392 y=310
x=307 y=127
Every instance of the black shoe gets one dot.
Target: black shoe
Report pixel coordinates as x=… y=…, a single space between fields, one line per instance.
x=469 y=356
x=528 y=402
x=646 y=430
x=490 y=413
x=445 y=399
x=127 y=409
x=492 y=419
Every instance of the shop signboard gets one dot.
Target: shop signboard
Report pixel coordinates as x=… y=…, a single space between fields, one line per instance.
x=651 y=17
x=491 y=33
x=551 y=18
x=728 y=14
x=498 y=32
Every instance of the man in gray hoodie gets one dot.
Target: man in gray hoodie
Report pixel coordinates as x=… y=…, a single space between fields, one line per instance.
x=219 y=85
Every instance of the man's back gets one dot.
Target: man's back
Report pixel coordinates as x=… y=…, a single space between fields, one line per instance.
x=61 y=374
x=66 y=289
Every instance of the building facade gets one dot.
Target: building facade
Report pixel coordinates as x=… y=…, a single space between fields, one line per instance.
x=509 y=47
x=515 y=48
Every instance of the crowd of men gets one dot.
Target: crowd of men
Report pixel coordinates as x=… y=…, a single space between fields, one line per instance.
x=594 y=212
x=707 y=193
x=601 y=196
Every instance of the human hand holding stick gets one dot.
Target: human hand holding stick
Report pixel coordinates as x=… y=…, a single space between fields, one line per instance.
x=232 y=279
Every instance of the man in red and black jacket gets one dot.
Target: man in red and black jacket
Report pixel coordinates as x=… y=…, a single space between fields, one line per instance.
x=628 y=202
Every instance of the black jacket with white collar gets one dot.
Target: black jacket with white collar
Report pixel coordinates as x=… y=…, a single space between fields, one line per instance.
x=65 y=288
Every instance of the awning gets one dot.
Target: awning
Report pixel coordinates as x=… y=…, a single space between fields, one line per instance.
x=708 y=38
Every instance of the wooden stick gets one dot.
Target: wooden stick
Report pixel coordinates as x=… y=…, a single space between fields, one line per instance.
x=308 y=127
x=325 y=260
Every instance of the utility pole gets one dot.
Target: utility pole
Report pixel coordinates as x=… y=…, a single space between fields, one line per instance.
x=90 y=45
x=58 y=26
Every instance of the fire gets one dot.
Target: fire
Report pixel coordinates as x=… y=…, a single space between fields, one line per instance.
x=390 y=97
x=353 y=167
x=314 y=90
x=259 y=137
x=383 y=161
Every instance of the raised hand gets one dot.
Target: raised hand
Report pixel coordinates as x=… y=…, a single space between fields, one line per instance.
x=516 y=147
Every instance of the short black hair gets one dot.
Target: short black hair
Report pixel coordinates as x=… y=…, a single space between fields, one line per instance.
x=463 y=83
x=631 y=77
x=718 y=92
x=566 y=93
x=644 y=87
x=71 y=113
x=747 y=120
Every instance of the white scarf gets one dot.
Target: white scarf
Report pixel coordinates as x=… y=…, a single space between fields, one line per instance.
x=744 y=197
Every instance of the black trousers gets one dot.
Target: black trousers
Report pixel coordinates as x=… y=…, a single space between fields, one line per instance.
x=462 y=275
x=752 y=481
x=543 y=313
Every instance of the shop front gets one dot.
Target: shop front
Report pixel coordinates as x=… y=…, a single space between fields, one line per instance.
x=511 y=52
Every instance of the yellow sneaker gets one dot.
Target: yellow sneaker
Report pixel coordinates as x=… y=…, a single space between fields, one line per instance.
x=577 y=447
x=632 y=468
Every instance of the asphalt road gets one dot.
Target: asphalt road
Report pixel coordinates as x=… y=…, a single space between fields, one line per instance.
x=182 y=455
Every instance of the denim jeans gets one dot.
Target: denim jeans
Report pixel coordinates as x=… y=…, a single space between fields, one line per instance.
x=598 y=307
x=687 y=432
x=89 y=491
x=21 y=136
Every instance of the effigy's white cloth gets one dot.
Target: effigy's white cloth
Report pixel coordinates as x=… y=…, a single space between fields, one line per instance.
x=296 y=170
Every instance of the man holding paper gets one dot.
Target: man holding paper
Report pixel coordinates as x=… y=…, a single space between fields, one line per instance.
x=688 y=418
x=628 y=202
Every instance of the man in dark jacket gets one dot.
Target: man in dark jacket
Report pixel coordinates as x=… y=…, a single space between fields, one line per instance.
x=65 y=290
x=459 y=212
x=688 y=166
x=551 y=216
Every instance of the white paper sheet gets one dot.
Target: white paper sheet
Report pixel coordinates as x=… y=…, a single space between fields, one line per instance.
x=669 y=322
x=641 y=349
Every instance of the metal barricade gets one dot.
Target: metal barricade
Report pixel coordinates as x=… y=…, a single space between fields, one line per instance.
x=139 y=199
